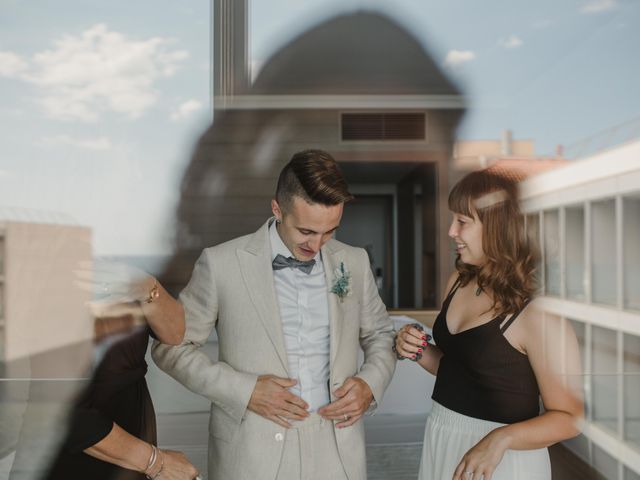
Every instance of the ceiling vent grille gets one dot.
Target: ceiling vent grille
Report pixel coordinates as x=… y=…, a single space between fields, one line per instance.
x=383 y=126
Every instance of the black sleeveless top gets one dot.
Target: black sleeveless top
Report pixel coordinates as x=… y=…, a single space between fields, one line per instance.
x=117 y=393
x=481 y=374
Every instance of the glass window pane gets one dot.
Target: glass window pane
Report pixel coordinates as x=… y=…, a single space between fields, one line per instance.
x=605 y=463
x=1 y=255
x=533 y=230
x=631 y=253
x=603 y=254
x=630 y=475
x=632 y=389
x=574 y=252
x=580 y=330
x=604 y=378
x=533 y=234
x=552 y=252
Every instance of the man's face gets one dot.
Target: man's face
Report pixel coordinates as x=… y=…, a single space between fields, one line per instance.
x=304 y=228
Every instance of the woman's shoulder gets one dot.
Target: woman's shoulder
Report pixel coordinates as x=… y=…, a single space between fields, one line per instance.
x=537 y=322
x=450 y=283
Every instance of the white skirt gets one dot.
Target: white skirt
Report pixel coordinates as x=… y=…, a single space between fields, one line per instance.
x=449 y=435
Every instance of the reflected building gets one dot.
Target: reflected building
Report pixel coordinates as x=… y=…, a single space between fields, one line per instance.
x=41 y=308
x=586 y=218
x=46 y=333
x=515 y=159
x=380 y=105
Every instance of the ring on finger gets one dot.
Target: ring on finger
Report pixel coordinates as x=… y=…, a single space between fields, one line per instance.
x=346 y=417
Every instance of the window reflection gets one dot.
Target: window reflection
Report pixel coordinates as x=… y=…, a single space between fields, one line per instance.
x=552 y=252
x=574 y=252
x=631 y=240
x=605 y=378
x=631 y=385
x=603 y=253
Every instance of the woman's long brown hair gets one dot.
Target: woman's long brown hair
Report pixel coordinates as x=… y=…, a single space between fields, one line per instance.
x=510 y=271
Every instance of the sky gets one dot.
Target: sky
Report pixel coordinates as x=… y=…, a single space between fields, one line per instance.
x=101 y=102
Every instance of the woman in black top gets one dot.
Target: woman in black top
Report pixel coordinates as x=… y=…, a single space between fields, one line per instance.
x=112 y=426
x=496 y=353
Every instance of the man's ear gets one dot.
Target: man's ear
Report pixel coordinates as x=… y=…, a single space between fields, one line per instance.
x=275 y=208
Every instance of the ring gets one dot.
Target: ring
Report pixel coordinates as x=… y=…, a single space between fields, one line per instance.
x=468 y=472
x=346 y=417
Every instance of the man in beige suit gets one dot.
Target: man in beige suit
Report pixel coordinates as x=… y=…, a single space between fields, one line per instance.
x=291 y=307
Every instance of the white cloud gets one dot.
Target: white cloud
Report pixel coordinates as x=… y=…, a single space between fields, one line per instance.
x=96 y=144
x=12 y=65
x=455 y=58
x=511 y=42
x=99 y=71
x=186 y=109
x=597 y=6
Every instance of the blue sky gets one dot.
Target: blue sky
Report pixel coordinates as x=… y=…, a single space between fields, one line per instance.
x=101 y=102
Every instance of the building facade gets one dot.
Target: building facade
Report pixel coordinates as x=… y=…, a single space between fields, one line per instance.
x=586 y=217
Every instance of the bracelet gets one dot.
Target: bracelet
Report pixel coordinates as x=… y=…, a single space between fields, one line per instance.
x=159 y=471
x=395 y=339
x=394 y=349
x=154 y=293
x=152 y=458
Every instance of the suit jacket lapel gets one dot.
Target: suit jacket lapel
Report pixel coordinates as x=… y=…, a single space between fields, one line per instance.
x=332 y=256
x=255 y=266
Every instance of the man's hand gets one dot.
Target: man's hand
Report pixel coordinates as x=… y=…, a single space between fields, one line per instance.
x=271 y=399
x=354 y=397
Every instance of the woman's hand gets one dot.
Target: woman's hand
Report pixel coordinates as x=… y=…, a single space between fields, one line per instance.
x=410 y=342
x=480 y=462
x=175 y=466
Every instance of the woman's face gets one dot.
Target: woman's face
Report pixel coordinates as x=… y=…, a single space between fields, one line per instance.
x=467 y=233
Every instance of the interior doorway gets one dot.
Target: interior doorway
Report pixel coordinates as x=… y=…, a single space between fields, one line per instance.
x=395 y=218
x=368 y=223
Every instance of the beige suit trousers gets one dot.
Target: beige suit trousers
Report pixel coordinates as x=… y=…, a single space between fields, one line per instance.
x=310 y=452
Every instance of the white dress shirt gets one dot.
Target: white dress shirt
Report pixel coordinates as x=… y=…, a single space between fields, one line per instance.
x=304 y=311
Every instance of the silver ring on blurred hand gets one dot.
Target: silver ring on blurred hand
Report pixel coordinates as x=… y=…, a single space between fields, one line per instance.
x=346 y=417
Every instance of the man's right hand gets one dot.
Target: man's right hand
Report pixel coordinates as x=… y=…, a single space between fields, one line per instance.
x=271 y=399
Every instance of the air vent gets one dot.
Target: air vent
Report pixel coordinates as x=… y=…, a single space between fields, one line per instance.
x=383 y=126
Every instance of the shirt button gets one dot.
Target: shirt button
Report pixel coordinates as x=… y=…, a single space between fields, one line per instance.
x=279 y=437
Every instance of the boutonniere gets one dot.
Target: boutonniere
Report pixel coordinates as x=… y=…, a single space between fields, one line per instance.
x=341 y=282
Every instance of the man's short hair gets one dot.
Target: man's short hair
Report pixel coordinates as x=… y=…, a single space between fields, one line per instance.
x=314 y=176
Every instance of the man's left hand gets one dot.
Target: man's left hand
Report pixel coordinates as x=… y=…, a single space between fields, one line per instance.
x=354 y=398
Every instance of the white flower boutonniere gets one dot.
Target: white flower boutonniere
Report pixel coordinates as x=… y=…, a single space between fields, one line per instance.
x=341 y=280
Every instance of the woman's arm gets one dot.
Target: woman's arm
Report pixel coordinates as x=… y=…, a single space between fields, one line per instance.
x=123 y=449
x=553 y=352
x=552 y=348
x=164 y=313
x=411 y=342
x=430 y=360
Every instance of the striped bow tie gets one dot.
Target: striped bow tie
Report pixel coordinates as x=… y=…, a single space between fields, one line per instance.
x=281 y=262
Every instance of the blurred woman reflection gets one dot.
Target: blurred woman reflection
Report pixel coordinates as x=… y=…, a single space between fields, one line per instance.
x=496 y=353
x=112 y=433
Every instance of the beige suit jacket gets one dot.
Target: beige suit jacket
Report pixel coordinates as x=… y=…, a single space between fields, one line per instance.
x=232 y=290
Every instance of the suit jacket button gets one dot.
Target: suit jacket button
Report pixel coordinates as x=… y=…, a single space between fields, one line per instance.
x=279 y=437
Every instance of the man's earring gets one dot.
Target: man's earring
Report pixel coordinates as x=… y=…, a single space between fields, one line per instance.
x=278 y=222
